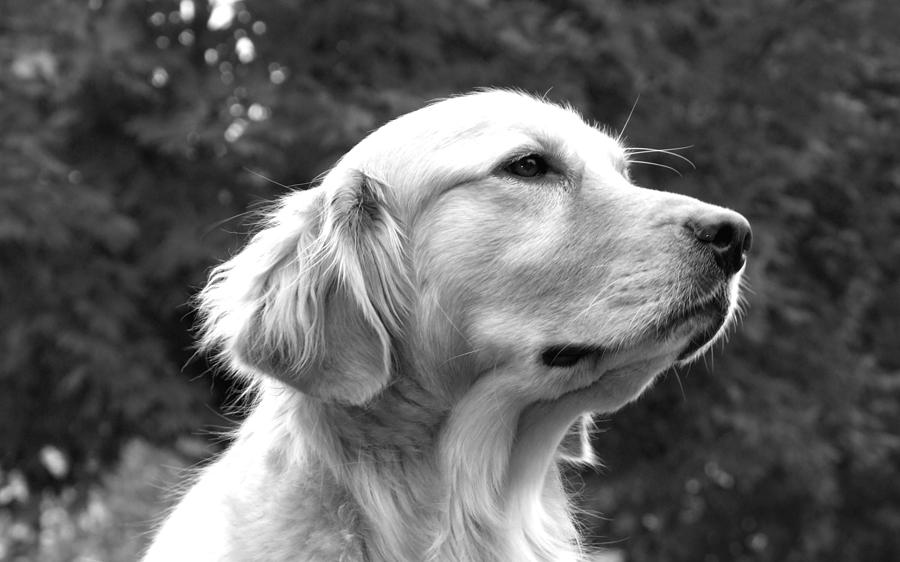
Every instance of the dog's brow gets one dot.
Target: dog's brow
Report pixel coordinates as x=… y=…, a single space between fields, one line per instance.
x=618 y=153
x=524 y=149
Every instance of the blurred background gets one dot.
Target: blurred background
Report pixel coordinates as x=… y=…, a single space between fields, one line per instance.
x=136 y=135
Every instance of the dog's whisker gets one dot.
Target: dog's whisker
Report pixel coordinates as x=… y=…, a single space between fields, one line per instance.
x=628 y=119
x=657 y=164
x=662 y=151
x=672 y=151
x=634 y=151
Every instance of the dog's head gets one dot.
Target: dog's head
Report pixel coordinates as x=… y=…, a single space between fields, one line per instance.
x=487 y=230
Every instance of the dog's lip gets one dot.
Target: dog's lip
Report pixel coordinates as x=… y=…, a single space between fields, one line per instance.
x=700 y=321
x=701 y=338
x=568 y=354
x=709 y=307
x=708 y=316
x=705 y=315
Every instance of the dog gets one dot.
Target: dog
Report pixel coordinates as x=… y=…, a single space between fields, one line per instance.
x=427 y=331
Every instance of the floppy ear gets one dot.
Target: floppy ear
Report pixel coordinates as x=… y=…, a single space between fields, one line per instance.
x=576 y=447
x=317 y=296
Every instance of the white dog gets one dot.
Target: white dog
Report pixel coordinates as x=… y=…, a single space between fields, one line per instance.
x=423 y=328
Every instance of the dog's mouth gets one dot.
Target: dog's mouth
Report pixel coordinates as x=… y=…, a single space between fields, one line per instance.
x=703 y=319
x=567 y=355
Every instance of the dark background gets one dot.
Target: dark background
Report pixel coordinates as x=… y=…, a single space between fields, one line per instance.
x=135 y=135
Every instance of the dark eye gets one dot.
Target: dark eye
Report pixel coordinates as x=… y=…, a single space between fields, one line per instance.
x=530 y=166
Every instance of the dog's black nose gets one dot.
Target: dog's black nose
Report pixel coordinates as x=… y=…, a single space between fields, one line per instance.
x=727 y=234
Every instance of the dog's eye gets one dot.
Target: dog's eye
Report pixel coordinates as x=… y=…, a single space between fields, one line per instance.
x=530 y=166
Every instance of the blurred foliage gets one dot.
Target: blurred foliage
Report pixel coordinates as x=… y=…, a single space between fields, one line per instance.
x=109 y=519
x=136 y=134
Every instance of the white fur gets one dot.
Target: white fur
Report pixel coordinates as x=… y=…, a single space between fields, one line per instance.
x=392 y=320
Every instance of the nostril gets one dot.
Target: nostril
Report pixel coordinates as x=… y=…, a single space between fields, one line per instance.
x=720 y=235
x=727 y=235
x=724 y=237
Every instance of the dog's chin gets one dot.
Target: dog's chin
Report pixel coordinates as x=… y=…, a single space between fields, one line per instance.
x=703 y=338
x=705 y=323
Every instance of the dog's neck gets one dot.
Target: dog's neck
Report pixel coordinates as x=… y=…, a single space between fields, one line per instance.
x=432 y=483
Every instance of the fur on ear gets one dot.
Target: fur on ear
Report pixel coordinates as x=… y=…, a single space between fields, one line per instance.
x=317 y=296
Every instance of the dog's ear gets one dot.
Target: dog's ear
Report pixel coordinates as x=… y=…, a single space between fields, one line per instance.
x=576 y=447
x=316 y=297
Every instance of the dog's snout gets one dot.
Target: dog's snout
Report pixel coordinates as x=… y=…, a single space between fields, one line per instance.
x=727 y=234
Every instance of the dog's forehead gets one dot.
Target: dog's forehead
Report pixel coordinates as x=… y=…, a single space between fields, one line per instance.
x=495 y=110
x=492 y=121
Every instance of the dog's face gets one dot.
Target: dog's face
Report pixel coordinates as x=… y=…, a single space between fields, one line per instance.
x=530 y=246
x=482 y=231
